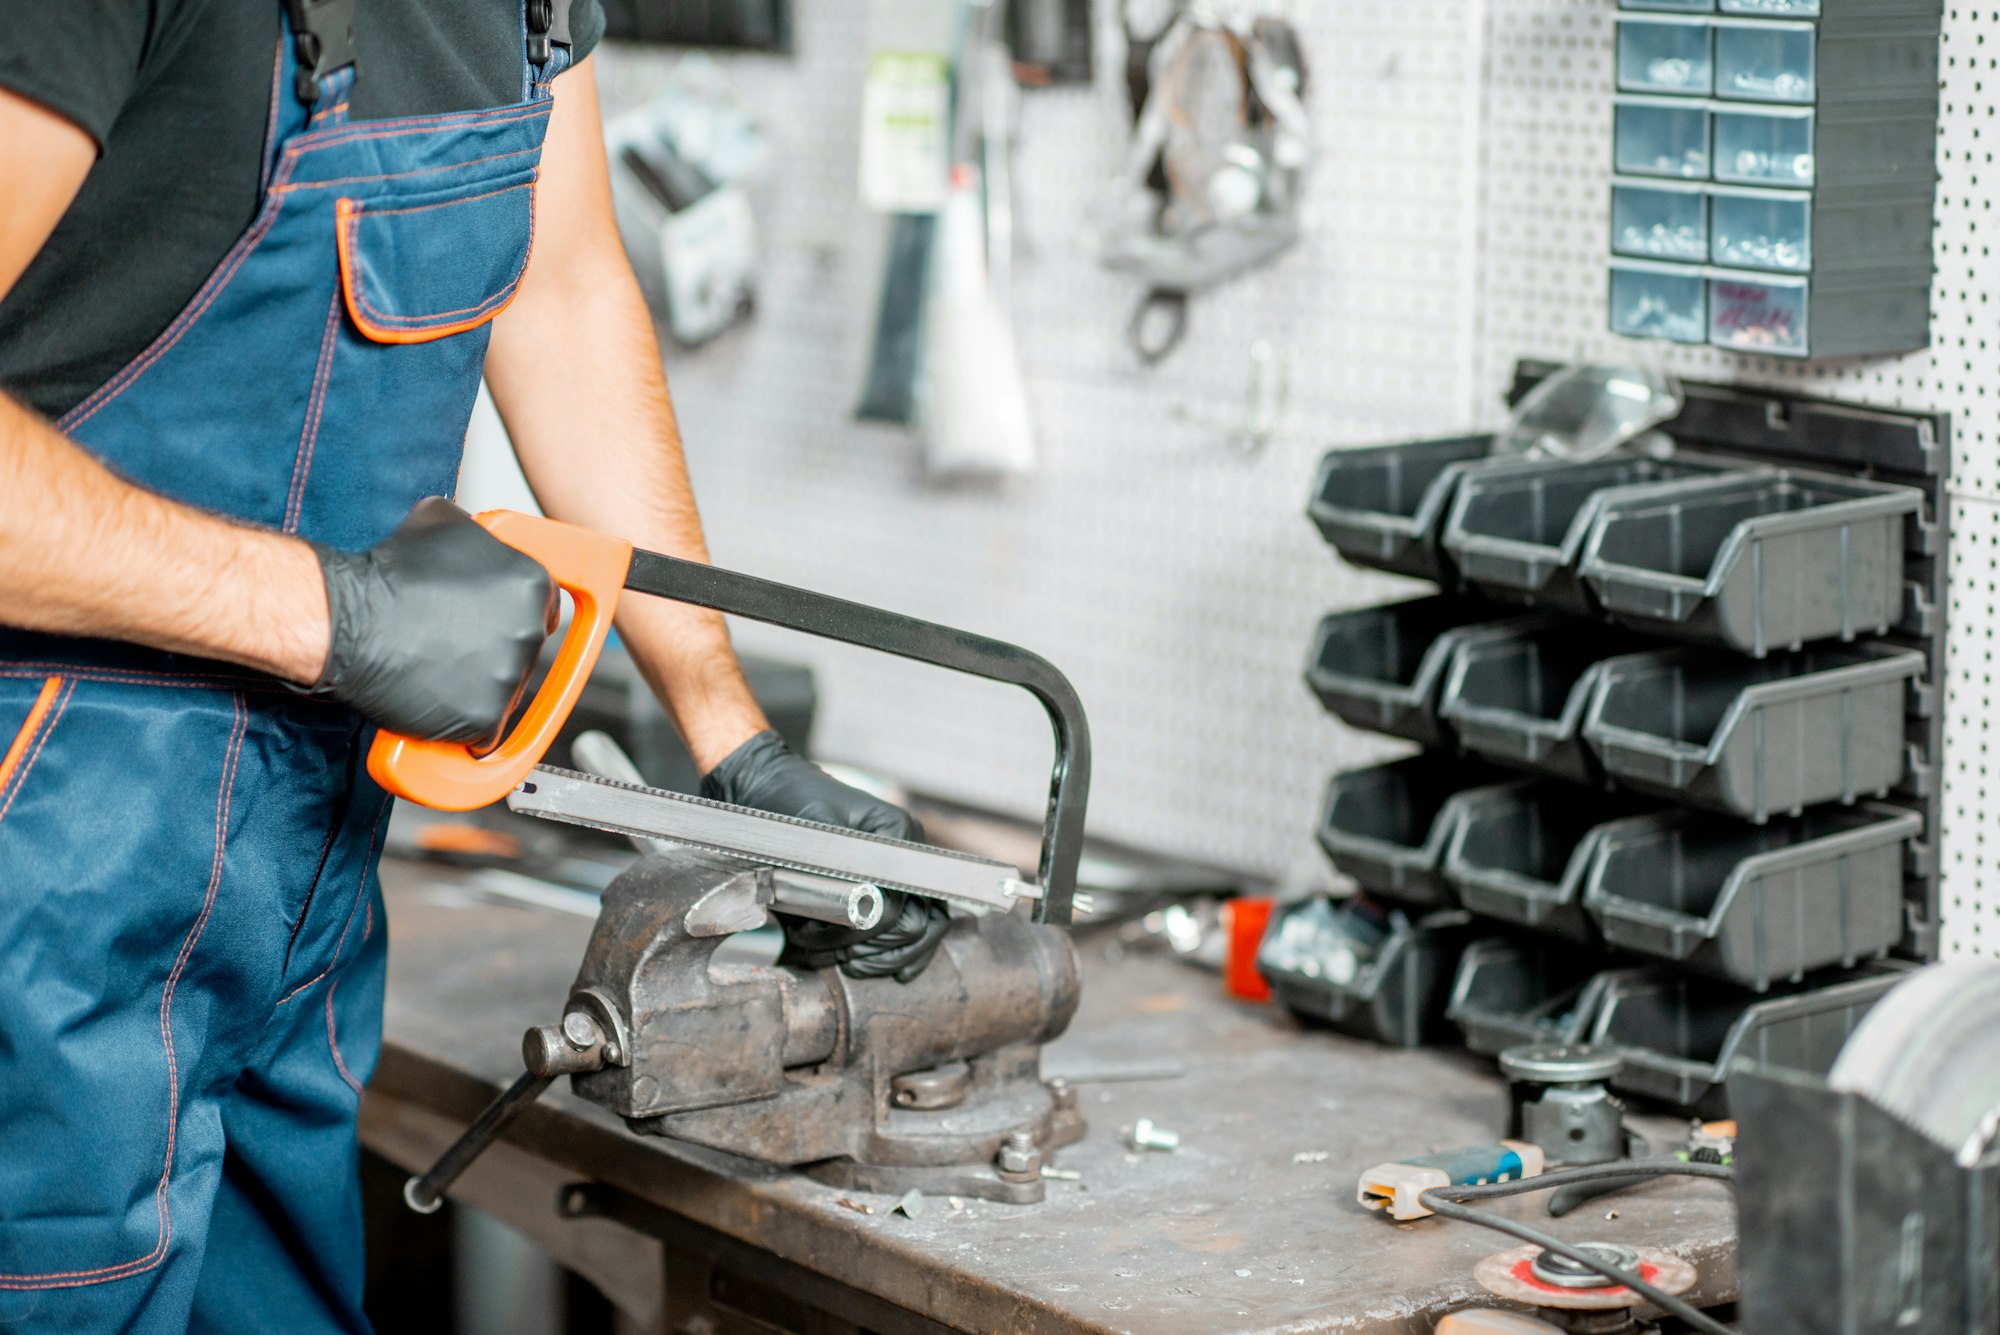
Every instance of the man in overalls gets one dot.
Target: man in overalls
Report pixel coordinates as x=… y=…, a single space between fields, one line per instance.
x=252 y=271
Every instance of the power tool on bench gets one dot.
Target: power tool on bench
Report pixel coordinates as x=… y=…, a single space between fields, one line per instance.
x=870 y=1083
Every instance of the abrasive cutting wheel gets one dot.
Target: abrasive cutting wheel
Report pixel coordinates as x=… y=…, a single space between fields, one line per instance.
x=1574 y=1297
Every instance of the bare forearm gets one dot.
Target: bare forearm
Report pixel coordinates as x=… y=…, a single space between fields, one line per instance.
x=575 y=370
x=600 y=447
x=83 y=552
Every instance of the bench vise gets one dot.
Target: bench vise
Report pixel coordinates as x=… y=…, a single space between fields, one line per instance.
x=873 y=1084
x=869 y=1083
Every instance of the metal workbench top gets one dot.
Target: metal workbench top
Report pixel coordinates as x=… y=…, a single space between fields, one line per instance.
x=1246 y=1228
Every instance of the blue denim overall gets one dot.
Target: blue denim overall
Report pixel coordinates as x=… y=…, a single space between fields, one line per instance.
x=191 y=932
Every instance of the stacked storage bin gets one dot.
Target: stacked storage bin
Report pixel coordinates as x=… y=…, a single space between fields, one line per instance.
x=1667 y=797
x=1774 y=171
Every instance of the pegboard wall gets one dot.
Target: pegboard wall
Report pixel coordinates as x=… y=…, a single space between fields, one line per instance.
x=1457 y=221
x=1173 y=577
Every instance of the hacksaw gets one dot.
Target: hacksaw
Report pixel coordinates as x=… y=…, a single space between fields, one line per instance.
x=594 y=568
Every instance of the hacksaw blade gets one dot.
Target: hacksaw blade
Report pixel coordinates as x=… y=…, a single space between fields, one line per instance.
x=1928 y=1054
x=770 y=840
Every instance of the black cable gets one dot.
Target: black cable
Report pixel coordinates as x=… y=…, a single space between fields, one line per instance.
x=1633 y=1169
x=1446 y=1202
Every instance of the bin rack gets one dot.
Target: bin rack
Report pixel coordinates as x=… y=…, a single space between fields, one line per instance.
x=1380 y=506
x=1764 y=427
x=1755 y=737
x=1511 y=991
x=1754 y=904
x=1760 y=562
x=1519 y=698
x=1516 y=530
x=1680 y=1035
x=1380 y=668
x=1387 y=826
x=1364 y=968
x=1519 y=853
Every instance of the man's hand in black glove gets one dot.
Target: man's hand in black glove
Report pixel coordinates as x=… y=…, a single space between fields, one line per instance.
x=436 y=629
x=763 y=773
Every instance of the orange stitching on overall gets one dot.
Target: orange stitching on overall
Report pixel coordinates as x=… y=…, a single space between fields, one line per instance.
x=333 y=1044
x=212 y=289
x=419 y=124
x=125 y=1269
x=398 y=176
x=315 y=405
x=357 y=132
x=21 y=780
x=385 y=328
x=29 y=725
x=357 y=207
x=367 y=862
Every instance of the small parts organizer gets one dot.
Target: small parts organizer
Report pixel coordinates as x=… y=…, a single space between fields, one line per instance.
x=1680 y=722
x=1774 y=172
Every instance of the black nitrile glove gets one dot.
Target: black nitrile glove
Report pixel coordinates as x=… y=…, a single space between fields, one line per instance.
x=436 y=628
x=764 y=773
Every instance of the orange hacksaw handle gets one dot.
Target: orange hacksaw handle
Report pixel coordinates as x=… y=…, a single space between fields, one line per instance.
x=450 y=776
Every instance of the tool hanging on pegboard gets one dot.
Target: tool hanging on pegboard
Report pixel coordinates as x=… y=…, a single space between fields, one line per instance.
x=1220 y=149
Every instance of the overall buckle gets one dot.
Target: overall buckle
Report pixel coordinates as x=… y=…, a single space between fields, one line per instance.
x=322 y=40
x=548 y=27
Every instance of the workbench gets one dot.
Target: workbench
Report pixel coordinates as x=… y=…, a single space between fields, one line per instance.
x=1249 y=1226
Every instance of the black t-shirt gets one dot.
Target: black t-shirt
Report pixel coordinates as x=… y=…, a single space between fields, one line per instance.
x=176 y=94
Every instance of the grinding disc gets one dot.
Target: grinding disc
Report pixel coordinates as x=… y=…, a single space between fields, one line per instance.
x=1928 y=1054
x=1509 y=1275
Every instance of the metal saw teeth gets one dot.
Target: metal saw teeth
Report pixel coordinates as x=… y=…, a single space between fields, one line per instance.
x=529 y=799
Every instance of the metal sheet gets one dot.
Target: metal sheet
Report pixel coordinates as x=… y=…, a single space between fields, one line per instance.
x=768 y=840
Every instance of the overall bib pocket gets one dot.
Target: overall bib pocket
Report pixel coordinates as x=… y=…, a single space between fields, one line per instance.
x=417 y=268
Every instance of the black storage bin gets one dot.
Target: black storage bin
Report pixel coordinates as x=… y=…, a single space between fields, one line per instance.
x=1754 y=904
x=1380 y=668
x=1755 y=737
x=1909 y=1240
x=1520 y=698
x=1387 y=826
x=1380 y=506
x=1513 y=990
x=1756 y=562
x=1364 y=968
x=1519 y=853
x=1517 y=530
x=1680 y=1035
